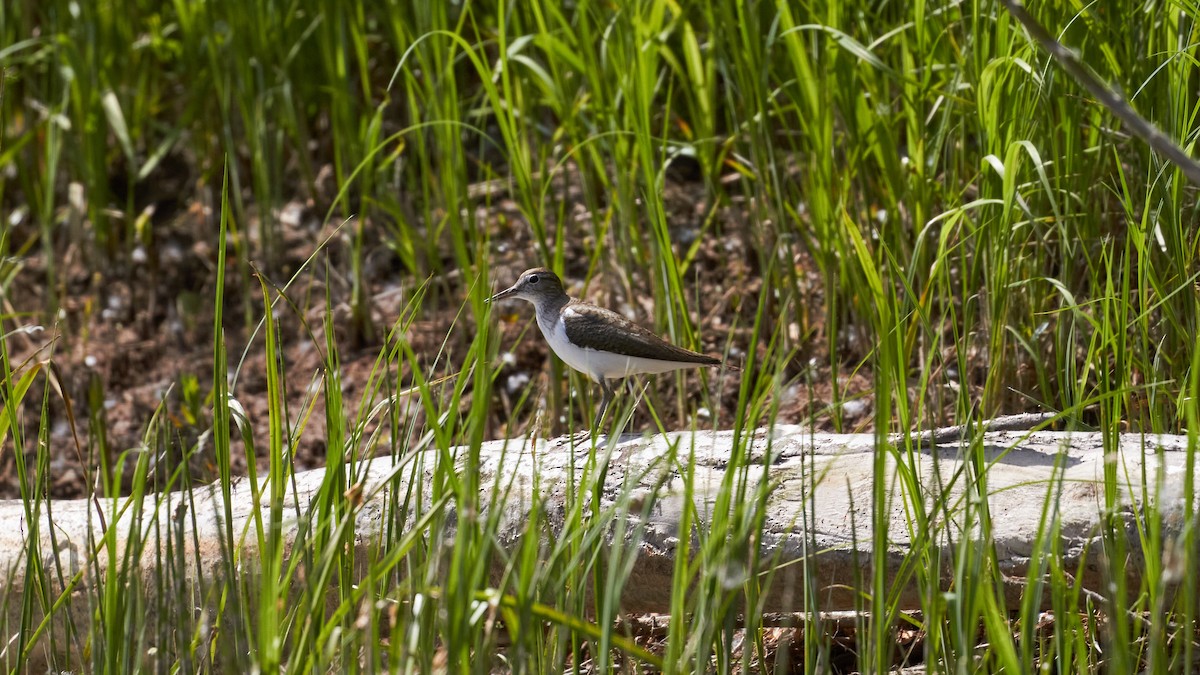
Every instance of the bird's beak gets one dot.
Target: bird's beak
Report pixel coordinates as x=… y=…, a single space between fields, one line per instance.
x=503 y=294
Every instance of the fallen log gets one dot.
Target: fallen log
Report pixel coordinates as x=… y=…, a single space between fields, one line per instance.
x=817 y=508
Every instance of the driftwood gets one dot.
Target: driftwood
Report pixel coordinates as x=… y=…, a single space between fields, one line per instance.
x=818 y=515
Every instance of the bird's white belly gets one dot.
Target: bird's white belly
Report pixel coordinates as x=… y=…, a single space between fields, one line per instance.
x=600 y=365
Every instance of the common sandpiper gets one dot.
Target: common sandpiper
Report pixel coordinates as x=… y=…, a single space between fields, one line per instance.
x=595 y=341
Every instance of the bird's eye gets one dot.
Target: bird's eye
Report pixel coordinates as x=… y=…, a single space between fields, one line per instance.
x=533 y=278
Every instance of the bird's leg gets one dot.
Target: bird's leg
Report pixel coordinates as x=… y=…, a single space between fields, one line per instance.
x=596 y=421
x=604 y=400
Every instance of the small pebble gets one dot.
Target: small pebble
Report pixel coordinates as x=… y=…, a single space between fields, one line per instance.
x=855 y=408
x=516 y=382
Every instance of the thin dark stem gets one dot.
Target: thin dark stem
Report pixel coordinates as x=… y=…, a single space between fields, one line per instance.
x=1108 y=97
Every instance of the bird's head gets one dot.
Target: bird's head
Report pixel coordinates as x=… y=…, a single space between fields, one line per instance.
x=535 y=286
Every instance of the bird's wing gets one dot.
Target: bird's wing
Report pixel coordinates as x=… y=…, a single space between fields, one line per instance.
x=598 y=328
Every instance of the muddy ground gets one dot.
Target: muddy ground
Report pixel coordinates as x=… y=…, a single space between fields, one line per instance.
x=134 y=330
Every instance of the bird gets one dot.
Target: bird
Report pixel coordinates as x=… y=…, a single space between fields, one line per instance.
x=595 y=341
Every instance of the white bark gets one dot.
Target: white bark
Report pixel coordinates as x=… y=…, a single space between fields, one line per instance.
x=818 y=517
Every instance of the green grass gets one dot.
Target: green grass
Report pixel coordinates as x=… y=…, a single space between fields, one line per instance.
x=910 y=194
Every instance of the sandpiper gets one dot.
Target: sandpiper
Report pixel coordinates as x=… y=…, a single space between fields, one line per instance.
x=595 y=341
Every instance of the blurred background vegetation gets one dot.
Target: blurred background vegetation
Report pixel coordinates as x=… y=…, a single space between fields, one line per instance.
x=1007 y=215
x=1031 y=252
